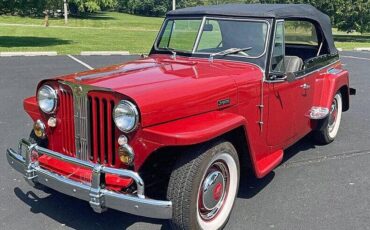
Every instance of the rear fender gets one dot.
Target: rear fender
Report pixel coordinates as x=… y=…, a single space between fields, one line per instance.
x=330 y=84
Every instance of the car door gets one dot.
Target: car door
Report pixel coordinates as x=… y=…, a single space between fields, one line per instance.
x=305 y=86
x=282 y=95
x=306 y=44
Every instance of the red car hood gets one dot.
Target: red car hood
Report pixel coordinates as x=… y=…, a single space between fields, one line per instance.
x=165 y=89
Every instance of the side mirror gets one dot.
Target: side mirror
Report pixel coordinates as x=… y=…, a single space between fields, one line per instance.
x=290 y=76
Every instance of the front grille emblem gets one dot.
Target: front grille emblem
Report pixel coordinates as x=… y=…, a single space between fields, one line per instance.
x=79 y=90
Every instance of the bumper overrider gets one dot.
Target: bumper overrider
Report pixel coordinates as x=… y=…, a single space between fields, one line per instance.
x=25 y=162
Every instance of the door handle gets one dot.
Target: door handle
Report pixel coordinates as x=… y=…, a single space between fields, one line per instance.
x=305 y=86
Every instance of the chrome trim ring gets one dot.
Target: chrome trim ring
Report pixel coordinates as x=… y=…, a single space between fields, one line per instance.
x=136 y=114
x=55 y=99
x=225 y=163
x=213 y=191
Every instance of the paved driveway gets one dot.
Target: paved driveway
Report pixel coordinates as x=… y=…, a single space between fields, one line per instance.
x=316 y=187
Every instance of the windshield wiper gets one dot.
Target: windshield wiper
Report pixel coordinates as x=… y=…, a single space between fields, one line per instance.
x=170 y=50
x=228 y=51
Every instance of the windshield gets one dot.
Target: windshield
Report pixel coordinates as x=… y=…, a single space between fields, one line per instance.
x=215 y=36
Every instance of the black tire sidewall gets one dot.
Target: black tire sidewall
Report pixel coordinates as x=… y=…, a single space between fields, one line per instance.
x=203 y=155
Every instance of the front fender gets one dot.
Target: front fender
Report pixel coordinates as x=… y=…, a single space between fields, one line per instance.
x=31 y=107
x=195 y=129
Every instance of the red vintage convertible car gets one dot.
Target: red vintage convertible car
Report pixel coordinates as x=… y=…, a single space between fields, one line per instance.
x=222 y=86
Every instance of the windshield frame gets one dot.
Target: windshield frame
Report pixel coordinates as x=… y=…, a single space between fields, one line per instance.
x=200 y=32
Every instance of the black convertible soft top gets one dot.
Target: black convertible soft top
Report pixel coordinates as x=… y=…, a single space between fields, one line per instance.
x=276 y=11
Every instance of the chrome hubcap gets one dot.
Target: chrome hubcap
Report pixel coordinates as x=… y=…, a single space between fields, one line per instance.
x=333 y=115
x=213 y=190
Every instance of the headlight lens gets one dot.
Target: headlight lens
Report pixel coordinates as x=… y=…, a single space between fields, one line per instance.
x=125 y=116
x=47 y=99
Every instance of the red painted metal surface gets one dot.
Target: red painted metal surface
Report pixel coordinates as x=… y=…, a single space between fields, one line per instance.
x=82 y=174
x=103 y=131
x=66 y=121
x=178 y=103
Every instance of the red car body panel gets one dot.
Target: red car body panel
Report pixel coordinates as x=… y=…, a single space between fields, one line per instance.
x=166 y=90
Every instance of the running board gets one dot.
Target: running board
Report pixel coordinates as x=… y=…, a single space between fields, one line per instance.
x=267 y=164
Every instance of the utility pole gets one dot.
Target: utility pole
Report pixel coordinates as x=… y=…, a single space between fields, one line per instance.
x=173 y=4
x=65 y=12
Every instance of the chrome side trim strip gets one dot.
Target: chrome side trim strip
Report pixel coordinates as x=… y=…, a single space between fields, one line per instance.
x=305 y=75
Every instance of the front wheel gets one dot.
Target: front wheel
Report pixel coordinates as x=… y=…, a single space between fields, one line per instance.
x=330 y=125
x=203 y=186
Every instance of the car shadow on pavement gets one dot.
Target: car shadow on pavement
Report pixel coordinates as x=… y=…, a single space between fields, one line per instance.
x=251 y=186
x=77 y=214
x=304 y=144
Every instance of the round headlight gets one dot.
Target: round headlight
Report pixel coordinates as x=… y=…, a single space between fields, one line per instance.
x=47 y=99
x=125 y=116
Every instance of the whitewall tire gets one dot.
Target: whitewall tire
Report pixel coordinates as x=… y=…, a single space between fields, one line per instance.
x=203 y=186
x=329 y=127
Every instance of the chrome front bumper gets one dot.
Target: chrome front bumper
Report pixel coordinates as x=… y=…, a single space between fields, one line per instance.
x=95 y=193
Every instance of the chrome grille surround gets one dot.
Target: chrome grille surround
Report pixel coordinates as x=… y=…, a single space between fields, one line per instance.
x=82 y=118
x=81 y=124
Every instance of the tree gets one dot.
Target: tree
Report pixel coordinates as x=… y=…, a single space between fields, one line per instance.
x=81 y=6
x=353 y=15
x=50 y=6
x=145 y=7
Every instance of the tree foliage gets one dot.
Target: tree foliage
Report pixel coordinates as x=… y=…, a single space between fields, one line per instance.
x=29 y=7
x=144 y=7
x=80 y=6
x=38 y=7
x=353 y=15
x=346 y=15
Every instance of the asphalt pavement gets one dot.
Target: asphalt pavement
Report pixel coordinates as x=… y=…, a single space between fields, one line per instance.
x=316 y=187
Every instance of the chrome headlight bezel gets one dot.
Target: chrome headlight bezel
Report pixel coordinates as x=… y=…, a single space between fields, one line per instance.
x=129 y=106
x=53 y=96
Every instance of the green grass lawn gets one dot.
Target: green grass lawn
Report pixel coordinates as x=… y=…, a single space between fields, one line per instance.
x=106 y=31
x=101 y=32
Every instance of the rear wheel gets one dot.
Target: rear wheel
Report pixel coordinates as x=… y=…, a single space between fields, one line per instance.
x=330 y=125
x=203 y=187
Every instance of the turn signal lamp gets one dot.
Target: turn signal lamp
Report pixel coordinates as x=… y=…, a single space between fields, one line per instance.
x=125 y=152
x=39 y=129
x=52 y=122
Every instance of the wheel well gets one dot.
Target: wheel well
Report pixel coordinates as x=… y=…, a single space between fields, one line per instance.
x=238 y=139
x=345 y=97
x=156 y=170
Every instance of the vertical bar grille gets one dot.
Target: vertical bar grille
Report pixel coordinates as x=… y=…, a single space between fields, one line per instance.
x=103 y=148
x=87 y=127
x=67 y=131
